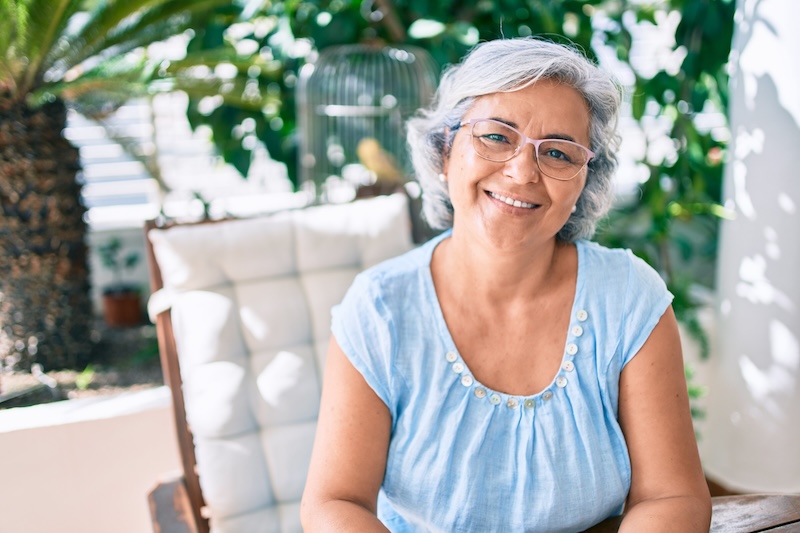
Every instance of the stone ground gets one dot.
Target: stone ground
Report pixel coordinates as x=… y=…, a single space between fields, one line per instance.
x=127 y=360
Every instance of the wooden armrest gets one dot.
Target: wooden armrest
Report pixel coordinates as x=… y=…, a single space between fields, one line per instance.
x=170 y=508
x=748 y=513
x=756 y=512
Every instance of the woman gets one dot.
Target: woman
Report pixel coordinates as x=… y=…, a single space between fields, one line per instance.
x=508 y=375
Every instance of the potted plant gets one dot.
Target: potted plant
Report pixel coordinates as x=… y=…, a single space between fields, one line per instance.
x=121 y=300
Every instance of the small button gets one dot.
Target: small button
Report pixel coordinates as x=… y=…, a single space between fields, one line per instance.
x=582 y=315
x=561 y=381
x=512 y=403
x=577 y=331
x=480 y=392
x=572 y=348
x=494 y=399
x=466 y=380
x=451 y=357
x=528 y=403
x=547 y=395
x=569 y=366
x=458 y=368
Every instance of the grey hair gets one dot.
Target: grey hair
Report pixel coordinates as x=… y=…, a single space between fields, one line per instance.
x=507 y=65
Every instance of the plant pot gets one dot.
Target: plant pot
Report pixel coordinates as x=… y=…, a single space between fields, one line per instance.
x=122 y=308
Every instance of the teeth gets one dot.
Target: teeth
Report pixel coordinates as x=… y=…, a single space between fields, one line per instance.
x=509 y=201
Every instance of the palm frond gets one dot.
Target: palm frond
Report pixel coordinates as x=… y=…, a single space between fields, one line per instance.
x=211 y=58
x=159 y=22
x=125 y=26
x=103 y=19
x=46 y=22
x=112 y=81
x=115 y=80
x=14 y=21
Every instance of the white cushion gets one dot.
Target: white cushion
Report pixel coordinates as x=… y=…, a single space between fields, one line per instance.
x=250 y=303
x=287 y=386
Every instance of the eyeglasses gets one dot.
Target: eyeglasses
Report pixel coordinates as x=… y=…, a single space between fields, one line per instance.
x=557 y=158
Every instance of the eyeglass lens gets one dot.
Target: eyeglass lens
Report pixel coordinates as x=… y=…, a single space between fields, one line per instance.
x=558 y=159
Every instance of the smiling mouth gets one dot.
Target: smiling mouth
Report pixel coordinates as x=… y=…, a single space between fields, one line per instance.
x=511 y=201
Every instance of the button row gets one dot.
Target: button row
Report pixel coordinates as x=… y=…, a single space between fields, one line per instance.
x=513 y=403
x=494 y=398
x=571 y=349
x=561 y=381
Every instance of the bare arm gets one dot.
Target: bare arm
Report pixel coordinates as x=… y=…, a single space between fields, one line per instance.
x=349 y=457
x=668 y=488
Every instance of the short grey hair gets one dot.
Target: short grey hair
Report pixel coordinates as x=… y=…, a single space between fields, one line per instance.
x=507 y=65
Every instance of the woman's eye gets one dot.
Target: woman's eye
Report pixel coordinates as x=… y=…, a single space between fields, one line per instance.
x=496 y=137
x=556 y=154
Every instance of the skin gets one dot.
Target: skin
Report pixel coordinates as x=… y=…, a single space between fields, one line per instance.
x=531 y=275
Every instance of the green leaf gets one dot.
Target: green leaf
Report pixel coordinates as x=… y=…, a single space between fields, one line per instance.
x=85 y=378
x=638 y=103
x=131 y=260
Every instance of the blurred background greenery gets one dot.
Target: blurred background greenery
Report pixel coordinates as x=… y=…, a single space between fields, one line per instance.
x=93 y=56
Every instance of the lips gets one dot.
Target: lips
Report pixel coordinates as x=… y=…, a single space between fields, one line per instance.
x=511 y=201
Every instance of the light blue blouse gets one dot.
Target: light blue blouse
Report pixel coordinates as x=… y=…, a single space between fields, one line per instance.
x=464 y=457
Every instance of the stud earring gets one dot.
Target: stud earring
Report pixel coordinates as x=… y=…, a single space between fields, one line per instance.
x=574 y=208
x=442 y=177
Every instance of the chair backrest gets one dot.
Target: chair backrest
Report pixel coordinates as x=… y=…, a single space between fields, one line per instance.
x=248 y=304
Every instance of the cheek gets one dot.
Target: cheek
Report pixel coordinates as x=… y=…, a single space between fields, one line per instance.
x=462 y=158
x=564 y=195
x=580 y=186
x=465 y=165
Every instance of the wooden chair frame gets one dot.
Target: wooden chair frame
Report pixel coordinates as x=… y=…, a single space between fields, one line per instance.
x=177 y=502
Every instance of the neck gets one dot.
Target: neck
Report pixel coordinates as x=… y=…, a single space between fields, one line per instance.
x=501 y=272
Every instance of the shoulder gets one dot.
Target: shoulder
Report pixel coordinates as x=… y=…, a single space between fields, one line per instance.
x=617 y=267
x=397 y=276
x=630 y=293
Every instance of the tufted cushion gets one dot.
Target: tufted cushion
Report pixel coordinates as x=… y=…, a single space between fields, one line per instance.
x=250 y=303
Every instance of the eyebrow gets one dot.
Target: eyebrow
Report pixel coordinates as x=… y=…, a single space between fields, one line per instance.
x=562 y=136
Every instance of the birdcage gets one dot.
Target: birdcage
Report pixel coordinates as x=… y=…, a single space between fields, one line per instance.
x=352 y=105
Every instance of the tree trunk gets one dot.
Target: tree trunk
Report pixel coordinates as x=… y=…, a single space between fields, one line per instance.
x=45 y=308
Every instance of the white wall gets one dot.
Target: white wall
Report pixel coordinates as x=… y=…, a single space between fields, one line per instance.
x=753 y=436
x=85 y=466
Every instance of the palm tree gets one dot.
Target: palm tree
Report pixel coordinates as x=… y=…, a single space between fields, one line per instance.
x=90 y=56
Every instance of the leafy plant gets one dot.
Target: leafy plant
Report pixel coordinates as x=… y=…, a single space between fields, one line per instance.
x=113 y=259
x=671 y=221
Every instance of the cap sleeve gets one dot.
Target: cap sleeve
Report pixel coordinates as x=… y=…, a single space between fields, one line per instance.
x=363 y=328
x=646 y=300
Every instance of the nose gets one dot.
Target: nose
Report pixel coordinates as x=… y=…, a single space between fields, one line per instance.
x=523 y=167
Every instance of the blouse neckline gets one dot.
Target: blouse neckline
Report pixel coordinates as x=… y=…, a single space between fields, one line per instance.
x=459 y=366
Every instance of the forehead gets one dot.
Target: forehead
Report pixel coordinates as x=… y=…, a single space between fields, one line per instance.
x=547 y=104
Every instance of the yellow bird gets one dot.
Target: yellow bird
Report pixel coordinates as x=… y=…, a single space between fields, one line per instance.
x=372 y=155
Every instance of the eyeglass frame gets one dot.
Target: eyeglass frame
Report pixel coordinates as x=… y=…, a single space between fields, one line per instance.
x=525 y=141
